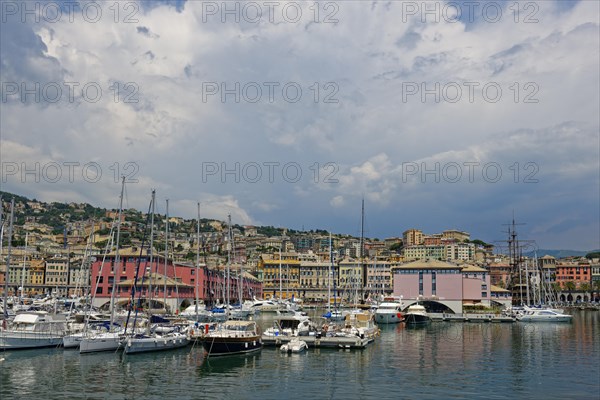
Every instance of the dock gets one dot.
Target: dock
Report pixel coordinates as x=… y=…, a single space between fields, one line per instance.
x=471 y=317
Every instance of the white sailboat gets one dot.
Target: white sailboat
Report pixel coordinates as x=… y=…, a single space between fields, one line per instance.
x=160 y=338
x=110 y=340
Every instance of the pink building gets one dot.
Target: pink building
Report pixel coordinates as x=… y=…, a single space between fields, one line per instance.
x=441 y=285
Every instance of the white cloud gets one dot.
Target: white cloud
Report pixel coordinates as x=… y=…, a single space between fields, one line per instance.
x=365 y=62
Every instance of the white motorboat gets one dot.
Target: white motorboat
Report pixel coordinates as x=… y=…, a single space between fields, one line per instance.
x=416 y=315
x=33 y=330
x=543 y=315
x=294 y=346
x=388 y=312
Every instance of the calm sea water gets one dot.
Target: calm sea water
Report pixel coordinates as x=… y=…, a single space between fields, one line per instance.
x=443 y=360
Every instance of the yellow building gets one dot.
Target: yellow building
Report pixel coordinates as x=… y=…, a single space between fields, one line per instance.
x=412 y=237
x=281 y=278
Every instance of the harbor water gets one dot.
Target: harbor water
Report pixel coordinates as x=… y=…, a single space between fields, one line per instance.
x=441 y=360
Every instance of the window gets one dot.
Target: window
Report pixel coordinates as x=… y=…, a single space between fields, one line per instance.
x=483 y=294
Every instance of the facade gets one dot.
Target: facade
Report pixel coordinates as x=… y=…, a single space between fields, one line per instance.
x=412 y=237
x=317 y=279
x=458 y=236
x=280 y=277
x=442 y=284
x=211 y=284
x=576 y=271
x=57 y=276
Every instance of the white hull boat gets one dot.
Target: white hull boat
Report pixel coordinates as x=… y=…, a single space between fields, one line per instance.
x=33 y=330
x=294 y=346
x=143 y=344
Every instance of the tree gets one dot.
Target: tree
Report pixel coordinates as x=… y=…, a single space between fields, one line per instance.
x=585 y=287
x=570 y=286
x=594 y=254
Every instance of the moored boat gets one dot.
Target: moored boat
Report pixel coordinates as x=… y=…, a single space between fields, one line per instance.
x=388 y=312
x=233 y=337
x=33 y=330
x=294 y=346
x=543 y=315
x=416 y=315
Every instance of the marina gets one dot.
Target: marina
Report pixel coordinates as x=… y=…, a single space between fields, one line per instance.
x=438 y=360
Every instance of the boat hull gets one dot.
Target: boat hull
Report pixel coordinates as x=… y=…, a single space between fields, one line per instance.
x=223 y=346
x=417 y=319
x=144 y=345
x=104 y=342
x=28 y=340
x=388 y=318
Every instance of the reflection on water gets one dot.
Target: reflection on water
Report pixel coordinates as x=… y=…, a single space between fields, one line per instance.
x=439 y=360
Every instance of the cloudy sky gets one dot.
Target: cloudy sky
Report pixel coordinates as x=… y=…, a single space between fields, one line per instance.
x=441 y=115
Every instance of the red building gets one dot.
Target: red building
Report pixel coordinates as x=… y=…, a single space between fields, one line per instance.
x=576 y=271
x=182 y=283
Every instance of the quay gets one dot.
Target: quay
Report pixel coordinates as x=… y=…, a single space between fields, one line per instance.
x=470 y=317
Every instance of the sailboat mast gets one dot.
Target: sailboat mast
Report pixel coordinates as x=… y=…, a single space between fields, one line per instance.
x=329 y=275
x=117 y=268
x=197 y=281
x=228 y=285
x=362 y=245
x=10 y=232
x=23 y=269
x=151 y=250
x=166 y=254
x=280 y=276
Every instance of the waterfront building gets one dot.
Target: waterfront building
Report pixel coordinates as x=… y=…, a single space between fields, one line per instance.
x=379 y=278
x=441 y=285
x=210 y=282
x=350 y=277
x=576 y=271
x=315 y=280
x=280 y=277
x=57 y=276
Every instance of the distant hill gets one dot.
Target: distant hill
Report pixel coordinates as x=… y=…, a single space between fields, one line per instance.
x=560 y=253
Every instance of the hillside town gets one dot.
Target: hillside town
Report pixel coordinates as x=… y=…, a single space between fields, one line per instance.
x=59 y=250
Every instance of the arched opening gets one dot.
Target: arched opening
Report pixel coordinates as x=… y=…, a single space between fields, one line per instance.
x=570 y=297
x=585 y=298
x=563 y=298
x=185 y=304
x=432 y=307
x=578 y=299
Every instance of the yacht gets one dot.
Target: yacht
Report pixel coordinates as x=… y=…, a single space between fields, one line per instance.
x=33 y=330
x=416 y=315
x=388 y=312
x=543 y=315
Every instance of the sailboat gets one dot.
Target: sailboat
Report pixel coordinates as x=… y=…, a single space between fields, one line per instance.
x=29 y=329
x=109 y=339
x=166 y=339
x=232 y=336
x=335 y=314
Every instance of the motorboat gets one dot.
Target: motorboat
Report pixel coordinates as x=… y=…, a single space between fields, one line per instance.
x=389 y=312
x=33 y=330
x=543 y=315
x=294 y=346
x=416 y=315
x=233 y=337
